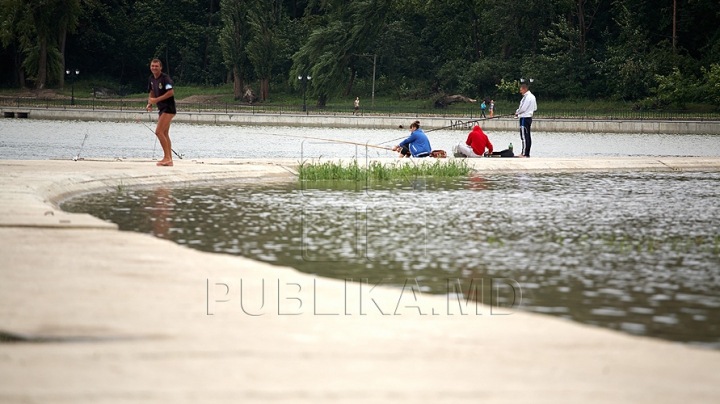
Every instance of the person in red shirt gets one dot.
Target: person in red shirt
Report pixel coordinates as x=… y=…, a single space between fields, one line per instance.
x=475 y=144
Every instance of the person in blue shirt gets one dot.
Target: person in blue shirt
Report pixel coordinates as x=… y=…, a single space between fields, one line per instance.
x=417 y=145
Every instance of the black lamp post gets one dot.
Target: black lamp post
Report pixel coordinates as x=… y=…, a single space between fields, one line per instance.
x=304 y=80
x=72 y=75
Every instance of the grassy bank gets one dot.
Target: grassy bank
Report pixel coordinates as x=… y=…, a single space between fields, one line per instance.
x=286 y=100
x=375 y=171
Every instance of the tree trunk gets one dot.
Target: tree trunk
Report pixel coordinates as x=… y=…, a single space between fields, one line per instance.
x=237 y=84
x=207 y=44
x=476 y=39
x=449 y=99
x=265 y=88
x=42 y=65
x=674 y=28
x=581 y=25
x=63 y=39
x=353 y=73
x=19 y=71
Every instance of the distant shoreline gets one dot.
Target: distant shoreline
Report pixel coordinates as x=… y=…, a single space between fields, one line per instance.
x=501 y=123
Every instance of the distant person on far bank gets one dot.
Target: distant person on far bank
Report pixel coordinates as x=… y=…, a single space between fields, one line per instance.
x=483 y=106
x=492 y=108
x=417 y=145
x=476 y=144
x=357 y=105
x=528 y=106
x=160 y=88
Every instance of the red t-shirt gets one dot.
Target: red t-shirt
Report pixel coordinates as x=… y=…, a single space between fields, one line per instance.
x=478 y=140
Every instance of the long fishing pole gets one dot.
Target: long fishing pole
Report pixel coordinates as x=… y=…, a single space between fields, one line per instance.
x=473 y=121
x=330 y=140
x=81 y=148
x=180 y=156
x=450 y=126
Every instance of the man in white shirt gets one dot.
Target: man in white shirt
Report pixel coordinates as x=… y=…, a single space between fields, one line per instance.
x=528 y=105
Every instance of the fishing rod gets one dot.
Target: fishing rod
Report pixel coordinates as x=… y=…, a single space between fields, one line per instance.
x=473 y=121
x=81 y=148
x=450 y=126
x=180 y=156
x=331 y=140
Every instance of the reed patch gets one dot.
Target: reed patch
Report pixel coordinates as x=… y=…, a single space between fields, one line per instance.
x=376 y=171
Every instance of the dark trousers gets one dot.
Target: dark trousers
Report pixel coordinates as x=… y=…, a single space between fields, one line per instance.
x=405 y=151
x=525 y=135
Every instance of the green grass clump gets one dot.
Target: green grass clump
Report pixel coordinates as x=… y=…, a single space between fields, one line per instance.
x=376 y=171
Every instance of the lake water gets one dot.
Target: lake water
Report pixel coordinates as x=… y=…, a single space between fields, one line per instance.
x=44 y=139
x=635 y=252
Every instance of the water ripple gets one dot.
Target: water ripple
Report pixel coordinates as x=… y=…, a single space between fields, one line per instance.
x=636 y=252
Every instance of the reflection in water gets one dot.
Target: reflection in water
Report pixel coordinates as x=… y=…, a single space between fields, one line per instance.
x=477 y=181
x=160 y=209
x=637 y=252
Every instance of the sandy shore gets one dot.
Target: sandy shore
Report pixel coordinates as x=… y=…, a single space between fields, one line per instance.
x=90 y=314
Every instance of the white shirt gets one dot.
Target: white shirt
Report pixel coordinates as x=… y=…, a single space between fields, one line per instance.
x=528 y=105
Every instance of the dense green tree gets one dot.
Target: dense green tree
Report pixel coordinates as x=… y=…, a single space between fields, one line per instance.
x=621 y=49
x=234 y=35
x=41 y=27
x=174 y=32
x=103 y=46
x=332 y=49
x=403 y=62
x=711 y=85
x=16 y=34
x=629 y=69
x=562 y=65
x=265 y=18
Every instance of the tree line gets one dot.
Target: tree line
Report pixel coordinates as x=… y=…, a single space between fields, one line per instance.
x=656 y=53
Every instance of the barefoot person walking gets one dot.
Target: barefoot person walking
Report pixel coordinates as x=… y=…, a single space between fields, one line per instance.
x=160 y=88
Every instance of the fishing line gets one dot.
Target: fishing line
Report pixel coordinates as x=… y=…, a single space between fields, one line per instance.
x=330 y=140
x=180 y=156
x=449 y=126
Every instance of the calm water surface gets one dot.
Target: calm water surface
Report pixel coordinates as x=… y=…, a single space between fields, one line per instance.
x=43 y=139
x=636 y=252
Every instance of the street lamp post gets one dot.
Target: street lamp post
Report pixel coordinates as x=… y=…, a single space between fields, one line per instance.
x=374 y=56
x=304 y=80
x=72 y=75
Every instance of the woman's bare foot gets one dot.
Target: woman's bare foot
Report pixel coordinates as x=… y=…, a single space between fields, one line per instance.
x=165 y=163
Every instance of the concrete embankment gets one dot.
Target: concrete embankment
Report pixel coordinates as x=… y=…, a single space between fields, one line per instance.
x=501 y=123
x=90 y=314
